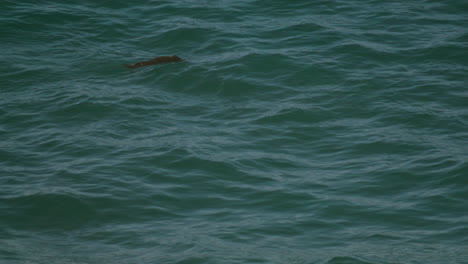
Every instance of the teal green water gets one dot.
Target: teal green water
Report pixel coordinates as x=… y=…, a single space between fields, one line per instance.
x=329 y=132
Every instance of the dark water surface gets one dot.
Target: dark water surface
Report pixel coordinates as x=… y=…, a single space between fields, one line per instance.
x=330 y=132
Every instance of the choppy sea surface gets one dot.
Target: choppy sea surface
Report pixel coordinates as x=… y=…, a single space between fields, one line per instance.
x=304 y=132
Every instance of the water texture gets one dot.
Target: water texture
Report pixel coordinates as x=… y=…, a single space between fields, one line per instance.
x=329 y=132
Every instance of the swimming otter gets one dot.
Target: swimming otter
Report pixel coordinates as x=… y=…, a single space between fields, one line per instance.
x=157 y=60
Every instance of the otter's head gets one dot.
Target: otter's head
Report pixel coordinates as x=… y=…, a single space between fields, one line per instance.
x=176 y=58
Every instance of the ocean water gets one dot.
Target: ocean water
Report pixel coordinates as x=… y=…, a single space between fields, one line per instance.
x=331 y=132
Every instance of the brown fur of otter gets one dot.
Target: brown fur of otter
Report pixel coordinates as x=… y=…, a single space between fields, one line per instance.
x=157 y=60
